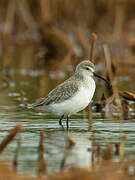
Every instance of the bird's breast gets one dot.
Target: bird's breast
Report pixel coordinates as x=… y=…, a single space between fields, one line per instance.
x=86 y=93
x=81 y=98
x=76 y=102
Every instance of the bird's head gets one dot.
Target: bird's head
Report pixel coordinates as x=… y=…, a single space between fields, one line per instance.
x=87 y=68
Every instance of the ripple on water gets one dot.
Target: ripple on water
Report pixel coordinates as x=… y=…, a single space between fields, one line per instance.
x=55 y=143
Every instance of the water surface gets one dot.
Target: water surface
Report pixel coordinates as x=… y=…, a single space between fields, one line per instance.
x=34 y=121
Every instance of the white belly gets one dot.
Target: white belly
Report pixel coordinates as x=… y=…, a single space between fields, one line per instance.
x=78 y=102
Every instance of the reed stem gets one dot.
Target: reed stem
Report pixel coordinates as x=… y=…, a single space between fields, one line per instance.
x=94 y=38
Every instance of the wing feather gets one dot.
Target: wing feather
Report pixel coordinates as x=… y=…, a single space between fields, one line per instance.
x=62 y=92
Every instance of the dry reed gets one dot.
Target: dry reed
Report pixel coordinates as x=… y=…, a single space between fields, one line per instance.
x=69 y=147
x=42 y=163
x=109 y=69
x=16 y=158
x=12 y=133
x=94 y=38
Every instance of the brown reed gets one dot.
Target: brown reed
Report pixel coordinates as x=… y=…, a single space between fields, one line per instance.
x=12 y=133
x=120 y=148
x=42 y=162
x=69 y=147
x=127 y=95
x=109 y=69
x=107 y=155
x=16 y=158
x=94 y=38
x=125 y=109
x=22 y=97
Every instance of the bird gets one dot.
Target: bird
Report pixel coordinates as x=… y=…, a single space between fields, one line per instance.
x=73 y=95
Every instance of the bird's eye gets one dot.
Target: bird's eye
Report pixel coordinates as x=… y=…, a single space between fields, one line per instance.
x=87 y=68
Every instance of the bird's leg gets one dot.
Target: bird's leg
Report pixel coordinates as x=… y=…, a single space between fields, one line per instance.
x=67 y=121
x=60 y=121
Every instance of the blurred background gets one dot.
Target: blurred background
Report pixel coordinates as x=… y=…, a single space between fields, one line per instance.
x=53 y=36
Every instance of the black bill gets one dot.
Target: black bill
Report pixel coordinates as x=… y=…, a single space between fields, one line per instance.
x=107 y=82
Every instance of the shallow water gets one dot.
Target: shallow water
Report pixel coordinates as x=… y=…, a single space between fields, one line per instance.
x=33 y=121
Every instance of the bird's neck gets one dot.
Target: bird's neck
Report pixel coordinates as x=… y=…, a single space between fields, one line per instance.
x=83 y=79
x=78 y=76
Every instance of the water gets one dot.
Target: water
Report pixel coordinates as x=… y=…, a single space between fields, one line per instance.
x=33 y=121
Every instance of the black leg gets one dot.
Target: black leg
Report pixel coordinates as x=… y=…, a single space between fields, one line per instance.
x=60 y=121
x=67 y=121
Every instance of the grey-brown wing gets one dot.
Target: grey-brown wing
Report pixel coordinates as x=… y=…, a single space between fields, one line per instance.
x=62 y=92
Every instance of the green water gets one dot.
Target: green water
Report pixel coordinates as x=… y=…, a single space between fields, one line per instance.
x=33 y=121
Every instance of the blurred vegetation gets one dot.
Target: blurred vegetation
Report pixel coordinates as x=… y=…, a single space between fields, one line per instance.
x=51 y=35
x=44 y=32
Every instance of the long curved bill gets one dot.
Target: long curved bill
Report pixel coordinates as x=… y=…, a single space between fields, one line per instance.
x=106 y=81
